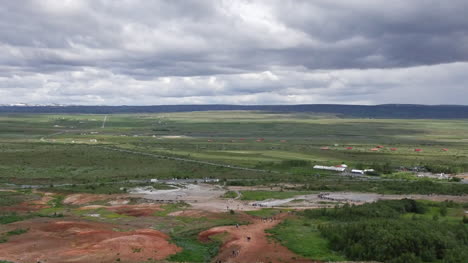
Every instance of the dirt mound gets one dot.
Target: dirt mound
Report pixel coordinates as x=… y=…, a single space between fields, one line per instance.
x=130 y=210
x=250 y=243
x=80 y=242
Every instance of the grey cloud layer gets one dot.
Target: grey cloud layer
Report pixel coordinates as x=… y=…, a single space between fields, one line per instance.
x=243 y=52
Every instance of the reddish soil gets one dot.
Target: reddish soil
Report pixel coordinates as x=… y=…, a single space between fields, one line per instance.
x=260 y=248
x=130 y=210
x=84 y=242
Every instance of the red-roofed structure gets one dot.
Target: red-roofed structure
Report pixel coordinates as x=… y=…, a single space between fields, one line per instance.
x=418 y=150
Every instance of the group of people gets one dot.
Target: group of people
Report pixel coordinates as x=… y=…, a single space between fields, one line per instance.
x=260 y=205
x=235 y=252
x=326 y=197
x=268 y=219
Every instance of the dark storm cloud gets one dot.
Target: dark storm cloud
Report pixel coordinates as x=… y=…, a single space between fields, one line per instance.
x=153 y=52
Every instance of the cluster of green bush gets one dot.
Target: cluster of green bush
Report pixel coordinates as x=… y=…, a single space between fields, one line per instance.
x=388 y=187
x=448 y=169
x=378 y=231
x=15 y=232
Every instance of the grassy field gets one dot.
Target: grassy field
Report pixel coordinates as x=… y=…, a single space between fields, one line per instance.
x=302 y=236
x=378 y=230
x=55 y=149
x=66 y=154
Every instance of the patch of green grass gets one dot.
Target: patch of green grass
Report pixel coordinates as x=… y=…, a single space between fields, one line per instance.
x=8 y=198
x=110 y=215
x=186 y=236
x=265 y=212
x=12 y=217
x=184 y=233
x=194 y=250
x=17 y=231
x=169 y=208
x=302 y=237
x=230 y=194
x=262 y=195
x=57 y=201
x=51 y=211
x=99 y=188
x=453 y=215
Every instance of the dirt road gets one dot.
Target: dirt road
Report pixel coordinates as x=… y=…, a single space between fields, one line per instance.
x=250 y=243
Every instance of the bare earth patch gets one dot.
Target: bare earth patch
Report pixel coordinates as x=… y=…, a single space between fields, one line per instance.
x=84 y=242
x=260 y=248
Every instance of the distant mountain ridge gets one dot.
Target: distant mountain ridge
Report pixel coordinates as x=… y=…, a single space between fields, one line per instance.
x=400 y=111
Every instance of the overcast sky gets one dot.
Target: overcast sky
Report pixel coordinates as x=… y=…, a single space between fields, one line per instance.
x=143 y=52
